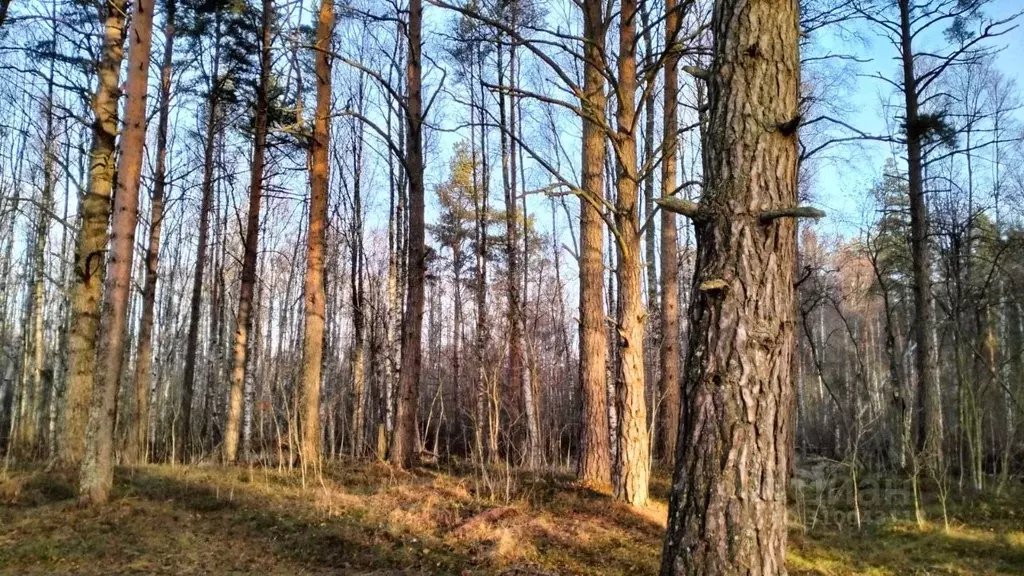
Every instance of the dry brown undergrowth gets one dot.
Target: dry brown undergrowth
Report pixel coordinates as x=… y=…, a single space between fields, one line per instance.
x=368 y=519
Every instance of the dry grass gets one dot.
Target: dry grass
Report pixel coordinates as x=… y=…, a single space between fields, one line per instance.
x=366 y=519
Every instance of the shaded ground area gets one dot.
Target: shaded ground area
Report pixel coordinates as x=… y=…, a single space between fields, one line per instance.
x=366 y=519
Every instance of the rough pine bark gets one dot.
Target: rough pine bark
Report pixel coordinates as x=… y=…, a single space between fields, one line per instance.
x=669 y=313
x=632 y=463
x=595 y=459
x=97 y=473
x=403 y=444
x=240 y=341
x=727 y=508
x=139 y=434
x=90 y=256
x=319 y=163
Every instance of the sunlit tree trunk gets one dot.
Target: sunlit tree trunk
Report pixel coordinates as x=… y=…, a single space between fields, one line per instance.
x=319 y=165
x=727 y=508
x=595 y=459
x=90 y=257
x=139 y=435
x=633 y=451
x=240 y=342
x=97 y=473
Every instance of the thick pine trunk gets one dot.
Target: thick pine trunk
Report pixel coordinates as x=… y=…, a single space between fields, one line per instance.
x=97 y=474
x=240 y=342
x=595 y=459
x=633 y=450
x=139 y=435
x=727 y=509
x=403 y=442
x=319 y=163
x=90 y=257
x=669 y=313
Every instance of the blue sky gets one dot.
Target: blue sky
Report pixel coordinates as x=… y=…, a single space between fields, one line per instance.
x=844 y=177
x=844 y=180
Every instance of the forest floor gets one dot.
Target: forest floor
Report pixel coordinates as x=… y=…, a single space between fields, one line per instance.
x=367 y=519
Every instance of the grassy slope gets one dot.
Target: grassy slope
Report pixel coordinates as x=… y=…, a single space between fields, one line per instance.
x=367 y=520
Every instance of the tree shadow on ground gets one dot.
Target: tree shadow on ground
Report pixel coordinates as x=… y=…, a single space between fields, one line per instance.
x=162 y=524
x=361 y=519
